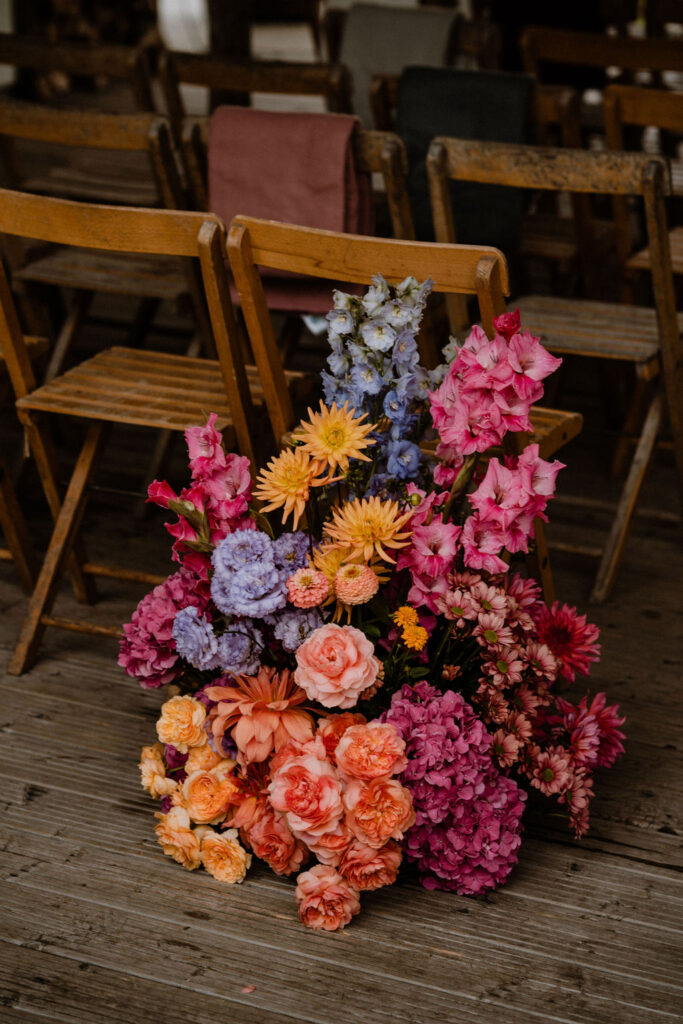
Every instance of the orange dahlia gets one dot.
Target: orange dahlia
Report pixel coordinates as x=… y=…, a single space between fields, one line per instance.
x=368 y=526
x=286 y=481
x=333 y=436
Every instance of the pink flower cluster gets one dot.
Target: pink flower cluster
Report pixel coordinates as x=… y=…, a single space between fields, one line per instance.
x=490 y=388
x=467 y=814
x=147 y=648
x=215 y=504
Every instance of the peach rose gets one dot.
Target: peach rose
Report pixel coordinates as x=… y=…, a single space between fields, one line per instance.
x=177 y=838
x=308 y=791
x=153 y=772
x=272 y=841
x=335 y=664
x=223 y=856
x=367 y=868
x=202 y=759
x=207 y=796
x=182 y=723
x=378 y=810
x=332 y=728
x=325 y=899
x=330 y=846
x=370 y=751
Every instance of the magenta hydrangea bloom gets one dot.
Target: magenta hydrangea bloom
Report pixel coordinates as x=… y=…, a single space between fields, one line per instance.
x=147 y=649
x=467 y=830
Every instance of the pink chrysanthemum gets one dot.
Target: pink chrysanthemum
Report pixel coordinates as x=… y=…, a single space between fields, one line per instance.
x=571 y=639
x=551 y=770
x=355 y=584
x=307 y=588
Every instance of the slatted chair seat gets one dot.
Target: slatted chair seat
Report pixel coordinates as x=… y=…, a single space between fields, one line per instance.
x=641 y=259
x=95 y=182
x=582 y=327
x=117 y=273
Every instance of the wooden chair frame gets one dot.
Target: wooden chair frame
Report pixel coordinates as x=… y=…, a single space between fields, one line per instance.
x=118 y=385
x=13 y=526
x=374 y=152
x=459 y=270
x=36 y=53
x=608 y=173
x=135 y=133
x=588 y=49
x=332 y=81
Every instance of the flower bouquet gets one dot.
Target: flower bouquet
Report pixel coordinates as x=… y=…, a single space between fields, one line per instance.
x=365 y=678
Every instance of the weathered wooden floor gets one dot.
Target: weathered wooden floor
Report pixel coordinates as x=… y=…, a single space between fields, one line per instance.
x=97 y=925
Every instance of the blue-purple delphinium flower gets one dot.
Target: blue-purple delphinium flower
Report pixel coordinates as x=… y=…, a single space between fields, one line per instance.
x=294 y=625
x=378 y=335
x=403 y=459
x=195 y=639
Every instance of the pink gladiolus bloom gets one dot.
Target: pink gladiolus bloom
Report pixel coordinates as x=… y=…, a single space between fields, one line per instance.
x=482 y=542
x=160 y=493
x=204 y=446
x=433 y=547
x=425 y=590
x=499 y=497
x=507 y=324
x=529 y=358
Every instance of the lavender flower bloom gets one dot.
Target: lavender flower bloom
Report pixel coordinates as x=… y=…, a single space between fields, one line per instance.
x=379 y=486
x=291 y=552
x=195 y=639
x=398 y=314
x=294 y=625
x=338 y=363
x=340 y=321
x=239 y=649
x=378 y=335
x=376 y=295
x=240 y=549
x=341 y=299
x=405 y=352
x=254 y=591
x=403 y=459
x=367 y=379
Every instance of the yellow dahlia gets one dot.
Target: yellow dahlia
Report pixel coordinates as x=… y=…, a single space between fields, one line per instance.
x=368 y=526
x=287 y=480
x=333 y=436
x=405 y=616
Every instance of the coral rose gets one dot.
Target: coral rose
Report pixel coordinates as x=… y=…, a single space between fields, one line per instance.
x=182 y=723
x=370 y=751
x=177 y=838
x=223 y=856
x=153 y=771
x=325 y=899
x=332 y=728
x=272 y=841
x=202 y=759
x=330 y=846
x=308 y=791
x=367 y=868
x=378 y=810
x=335 y=664
x=207 y=796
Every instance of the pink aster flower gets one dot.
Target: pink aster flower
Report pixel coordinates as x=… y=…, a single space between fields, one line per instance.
x=551 y=771
x=595 y=737
x=577 y=797
x=307 y=588
x=572 y=640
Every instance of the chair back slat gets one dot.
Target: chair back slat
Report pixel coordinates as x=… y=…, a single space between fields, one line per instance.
x=629 y=104
x=557 y=46
x=543 y=167
x=90 y=130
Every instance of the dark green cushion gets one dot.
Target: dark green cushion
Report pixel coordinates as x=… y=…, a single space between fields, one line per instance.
x=487 y=105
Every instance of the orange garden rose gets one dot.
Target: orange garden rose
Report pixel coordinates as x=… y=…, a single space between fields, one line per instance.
x=378 y=810
x=272 y=841
x=332 y=728
x=177 y=838
x=335 y=664
x=367 y=868
x=153 y=771
x=202 y=759
x=207 y=796
x=331 y=845
x=325 y=899
x=223 y=856
x=182 y=723
x=370 y=751
x=307 y=791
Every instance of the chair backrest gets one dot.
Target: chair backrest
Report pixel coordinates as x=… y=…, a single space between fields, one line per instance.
x=331 y=81
x=542 y=46
x=374 y=153
x=74 y=58
x=253 y=243
x=132 y=133
x=183 y=234
x=615 y=174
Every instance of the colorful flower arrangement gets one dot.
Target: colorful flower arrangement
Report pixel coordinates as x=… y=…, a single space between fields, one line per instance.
x=370 y=680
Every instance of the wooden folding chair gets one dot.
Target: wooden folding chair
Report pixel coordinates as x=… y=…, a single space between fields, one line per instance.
x=649 y=339
x=120 y=385
x=459 y=270
x=148 y=279
x=13 y=526
x=630 y=105
x=330 y=81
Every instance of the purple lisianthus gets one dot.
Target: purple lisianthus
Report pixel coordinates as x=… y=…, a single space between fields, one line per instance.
x=254 y=591
x=240 y=549
x=239 y=649
x=195 y=639
x=294 y=625
x=290 y=552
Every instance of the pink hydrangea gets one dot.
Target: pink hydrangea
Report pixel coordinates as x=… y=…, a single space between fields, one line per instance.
x=467 y=815
x=147 y=649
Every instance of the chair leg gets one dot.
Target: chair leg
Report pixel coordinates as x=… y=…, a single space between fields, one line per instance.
x=66 y=527
x=68 y=332
x=46 y=463
x=15 y=532
x=632 y=425
x=613 y=550
x=539 y=560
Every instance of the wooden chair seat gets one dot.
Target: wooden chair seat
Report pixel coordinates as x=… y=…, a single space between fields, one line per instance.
x=641 y=260
x=604 y=329
x=122 y=385
x=143 y=276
